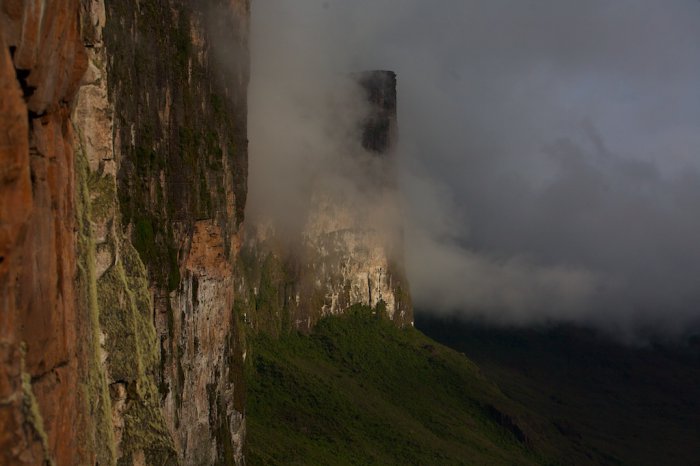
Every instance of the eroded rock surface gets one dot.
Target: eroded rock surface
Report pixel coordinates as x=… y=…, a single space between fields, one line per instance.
x=115 y=191
x=42 y=60
x=177 y=77
x=124 y=293
x=123 y=357
x=206 y=406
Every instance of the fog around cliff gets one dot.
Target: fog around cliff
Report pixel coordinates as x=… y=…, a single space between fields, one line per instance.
x=549 y=151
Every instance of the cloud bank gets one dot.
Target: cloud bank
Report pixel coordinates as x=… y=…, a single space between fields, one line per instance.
x=549 y=151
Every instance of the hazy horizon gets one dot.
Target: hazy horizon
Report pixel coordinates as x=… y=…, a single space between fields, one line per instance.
x=548 y=154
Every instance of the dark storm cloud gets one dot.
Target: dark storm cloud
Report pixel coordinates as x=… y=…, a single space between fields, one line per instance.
x=550 y=149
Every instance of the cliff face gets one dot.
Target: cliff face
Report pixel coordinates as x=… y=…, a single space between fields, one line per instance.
x=355 y=249
x=123 y=360
x=123 y=155
x=124 y=299
x=350 y=248
x=42 y=60
x=177 y=75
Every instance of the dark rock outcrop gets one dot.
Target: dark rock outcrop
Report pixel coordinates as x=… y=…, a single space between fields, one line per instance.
x=379 y=130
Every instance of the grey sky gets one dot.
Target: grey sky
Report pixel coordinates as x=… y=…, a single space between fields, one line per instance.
x=550 y=150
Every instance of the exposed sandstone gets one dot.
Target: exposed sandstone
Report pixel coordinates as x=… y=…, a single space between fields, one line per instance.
x=84 y=375
x=205 y=340
x=123 y=172
x=42 y=60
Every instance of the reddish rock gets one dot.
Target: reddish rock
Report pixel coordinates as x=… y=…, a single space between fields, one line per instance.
x=45 y=334
x=42 y=60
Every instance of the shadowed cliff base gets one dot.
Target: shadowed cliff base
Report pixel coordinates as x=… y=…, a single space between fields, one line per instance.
x=359 y=390
x=612 y=404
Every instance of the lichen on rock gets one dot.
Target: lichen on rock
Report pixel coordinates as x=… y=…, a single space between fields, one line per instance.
x=123 y=346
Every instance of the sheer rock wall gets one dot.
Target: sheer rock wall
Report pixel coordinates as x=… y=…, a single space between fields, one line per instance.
x=42 y=60
x=124 y=293
x=177 y=80
x=123 y=161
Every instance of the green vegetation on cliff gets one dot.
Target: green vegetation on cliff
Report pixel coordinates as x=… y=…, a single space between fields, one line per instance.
x=180 y=118
x=359 y=390
x=118 y=307
x=94 y=379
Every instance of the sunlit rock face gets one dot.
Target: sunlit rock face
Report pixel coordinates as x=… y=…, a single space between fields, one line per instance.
x=123 y=180
x=354 y=249
x=350 y=247
x=206 y=368
x=123 y=164
x=42 y=60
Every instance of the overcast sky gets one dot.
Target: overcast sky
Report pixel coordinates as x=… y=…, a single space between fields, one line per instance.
x=549 y=154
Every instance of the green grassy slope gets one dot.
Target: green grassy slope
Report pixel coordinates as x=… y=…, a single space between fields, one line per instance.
x=360 y=391
x=615 y=404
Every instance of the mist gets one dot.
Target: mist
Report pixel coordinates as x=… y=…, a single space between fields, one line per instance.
x=549 y=164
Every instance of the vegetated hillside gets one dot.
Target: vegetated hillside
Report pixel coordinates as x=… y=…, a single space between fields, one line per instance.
x=614 y=404
x=359 y=390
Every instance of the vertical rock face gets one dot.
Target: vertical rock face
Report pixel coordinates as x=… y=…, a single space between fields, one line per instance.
x=122 y=356
x=207 y=412
x=41 y=62
x=379 y=130
x=123 y=172
x=177 y=78
x=123 y=160
x=355 y=250
x=350 y=250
